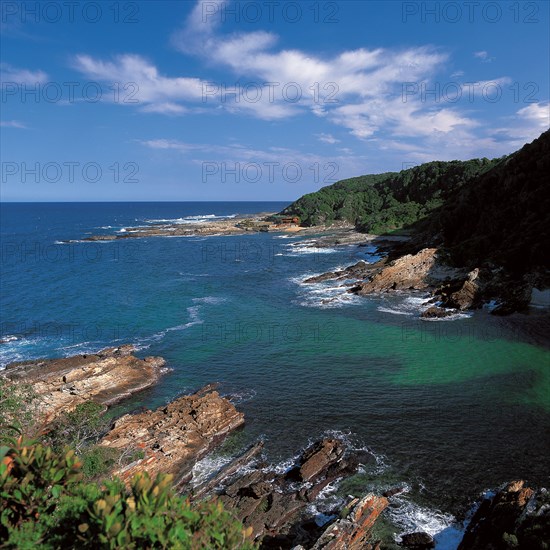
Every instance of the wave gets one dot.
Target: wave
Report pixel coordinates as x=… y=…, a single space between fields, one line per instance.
x=194 y=319
x=410 y=517
x=323 y=295
x=204 y=469
x=297 y=250
x=210 y=300
x=414 y=306
x=191 y=219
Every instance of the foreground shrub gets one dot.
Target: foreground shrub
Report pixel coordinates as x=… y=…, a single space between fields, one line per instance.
x=45 y=504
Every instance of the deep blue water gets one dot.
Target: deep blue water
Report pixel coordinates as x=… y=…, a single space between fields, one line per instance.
x=449 y=408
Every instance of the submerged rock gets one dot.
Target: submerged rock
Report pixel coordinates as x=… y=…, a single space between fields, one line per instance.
x=418 y=541
x=105 y=377
x=434 y=312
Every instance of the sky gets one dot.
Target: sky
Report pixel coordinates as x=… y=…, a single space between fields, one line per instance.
x=259 y=100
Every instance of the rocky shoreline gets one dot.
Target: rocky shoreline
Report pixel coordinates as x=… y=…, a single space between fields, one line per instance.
x=407 y=264
x=237 y=225
x=450 y=290
x=106 y=377
x=281 y=508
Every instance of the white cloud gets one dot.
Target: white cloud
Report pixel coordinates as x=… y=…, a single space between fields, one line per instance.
x=527 y=124
x=484 y=56
x=538 y=113
x=15 y=75
x=327 y=138
x=360 y=90
x=12 y=124
x=140 y=83
x=338 y=166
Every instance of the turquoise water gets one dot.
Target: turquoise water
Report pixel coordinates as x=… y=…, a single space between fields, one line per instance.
x=450 y=408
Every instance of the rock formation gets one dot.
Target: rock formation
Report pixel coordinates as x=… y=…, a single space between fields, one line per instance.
x=516 y=517
x=174 y=437
x=105 y=377
x=278 y=506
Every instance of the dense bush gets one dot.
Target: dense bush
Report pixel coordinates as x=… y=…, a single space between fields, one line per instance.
x=44 y=503
x=382 y=202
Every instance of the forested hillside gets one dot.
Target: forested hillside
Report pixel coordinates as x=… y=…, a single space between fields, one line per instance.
x=381 y=202
x=480 y=210
x=504 y=214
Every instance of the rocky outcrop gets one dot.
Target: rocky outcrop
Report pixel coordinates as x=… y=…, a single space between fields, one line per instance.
x=517 y=517
x=353 y=532
x=462 y=294
x=278 y=506
x=410 y=272
x=105 y=377
x=360 y=270
x=174 y=437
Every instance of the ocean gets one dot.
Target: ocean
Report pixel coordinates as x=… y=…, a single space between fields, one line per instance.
x=449 y=408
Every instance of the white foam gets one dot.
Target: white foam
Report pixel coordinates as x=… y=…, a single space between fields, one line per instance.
x=238 y=397
x=415 y=306
x=298 y=250
x=323 y=295
x=410 y=517
x=204 y=469
x=210 y=300
x=201 y=218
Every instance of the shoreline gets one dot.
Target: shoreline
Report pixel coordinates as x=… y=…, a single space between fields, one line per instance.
x=282 y=507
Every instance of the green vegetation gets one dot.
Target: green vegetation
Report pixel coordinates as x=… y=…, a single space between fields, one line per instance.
x=503 y=215
x=55 y=491
x=481 y=210
x=19 y=408
x=378 y=203
x=44 y=503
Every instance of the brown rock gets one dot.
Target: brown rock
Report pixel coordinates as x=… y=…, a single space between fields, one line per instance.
x=319 y=457
x=105 y=377
x=274 y=505
x=469 y=295
x=356 y=271
x=410 y=272
x=353 y=532
x=516 y=517
x=173 y=438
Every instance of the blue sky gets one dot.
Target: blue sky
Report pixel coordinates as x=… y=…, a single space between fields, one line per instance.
x=267 y=100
